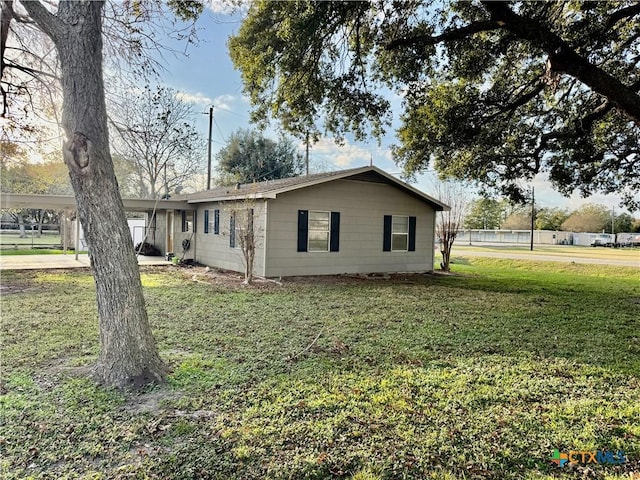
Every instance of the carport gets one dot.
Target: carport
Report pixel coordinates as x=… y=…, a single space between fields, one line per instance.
x=64 y=202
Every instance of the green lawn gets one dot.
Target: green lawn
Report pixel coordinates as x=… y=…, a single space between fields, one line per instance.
x=35 y=251
x=476 y=375
x=8 y=239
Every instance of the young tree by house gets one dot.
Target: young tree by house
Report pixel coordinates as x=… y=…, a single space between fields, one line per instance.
x=449 y=223
x=250 y=157
x=494 y=92
x=243 y=229
x=157 y=137
x=128 y=354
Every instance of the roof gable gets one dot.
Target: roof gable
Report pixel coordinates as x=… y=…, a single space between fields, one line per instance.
x=272 y=188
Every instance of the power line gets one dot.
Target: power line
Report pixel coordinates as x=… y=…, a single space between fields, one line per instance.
x=219 y=130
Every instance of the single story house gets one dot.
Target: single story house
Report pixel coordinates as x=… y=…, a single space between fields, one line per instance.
x=360 y=220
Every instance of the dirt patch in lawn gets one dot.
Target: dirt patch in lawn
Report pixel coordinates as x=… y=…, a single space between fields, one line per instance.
x=9 y=284
x=230 y=279
x=15 y=288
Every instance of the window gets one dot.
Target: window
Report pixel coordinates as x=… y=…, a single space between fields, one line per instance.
x=212 y=222
x=187 y=221
x=399 y=233
x=318 y=231
x=216 y=222
x=240 y=228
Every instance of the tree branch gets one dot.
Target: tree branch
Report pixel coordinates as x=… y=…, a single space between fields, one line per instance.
x=565 y=60
x=31 y=71
x=47 y=21
x=621 y=14
x=457 y=34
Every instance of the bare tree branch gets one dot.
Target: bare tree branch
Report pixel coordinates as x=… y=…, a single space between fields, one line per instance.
x=48 y=22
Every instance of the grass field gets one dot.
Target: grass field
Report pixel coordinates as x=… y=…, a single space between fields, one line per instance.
x=476 y=375
x=35 y=251
x=12 y=240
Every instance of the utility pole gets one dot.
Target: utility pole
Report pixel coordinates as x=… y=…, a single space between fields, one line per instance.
x=533 y=214
x=307 y=155
x=613 y=217
x=209 y=149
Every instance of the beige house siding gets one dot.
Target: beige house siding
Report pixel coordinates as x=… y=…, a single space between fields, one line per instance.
x=214 y=250
x=362 y=206
x=158 y=236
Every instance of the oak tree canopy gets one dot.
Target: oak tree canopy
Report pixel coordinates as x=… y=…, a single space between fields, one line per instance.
x=494 y=92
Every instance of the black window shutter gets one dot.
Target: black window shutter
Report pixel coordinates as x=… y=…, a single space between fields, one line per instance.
x=232 y=230
x=386 y=245
x=303 y=230
x=250 y=225
x=184 y=220
x=412 y=234
x=206 y=221
x=334 y=243
x=216 y=221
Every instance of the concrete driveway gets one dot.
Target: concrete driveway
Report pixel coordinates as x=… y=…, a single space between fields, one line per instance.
x=43 y=262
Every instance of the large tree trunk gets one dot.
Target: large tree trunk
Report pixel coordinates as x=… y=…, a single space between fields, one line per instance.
x=21 y=228
x=128 y=354
x=40 y=218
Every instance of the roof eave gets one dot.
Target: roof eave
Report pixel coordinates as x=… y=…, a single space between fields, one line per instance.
x=232 y=198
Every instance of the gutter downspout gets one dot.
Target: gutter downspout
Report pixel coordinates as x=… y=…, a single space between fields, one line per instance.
x=433 y=239
x=265 y=240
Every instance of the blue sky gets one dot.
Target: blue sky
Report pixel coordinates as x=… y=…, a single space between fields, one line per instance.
x=206 y=77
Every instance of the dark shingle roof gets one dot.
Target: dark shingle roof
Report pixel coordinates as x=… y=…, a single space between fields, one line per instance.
x=271 y=188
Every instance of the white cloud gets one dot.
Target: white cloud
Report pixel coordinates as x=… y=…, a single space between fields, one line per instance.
x=546 y=196
x=195 y=98
x=228 y=7
x=347 y=154
x=225 y=101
